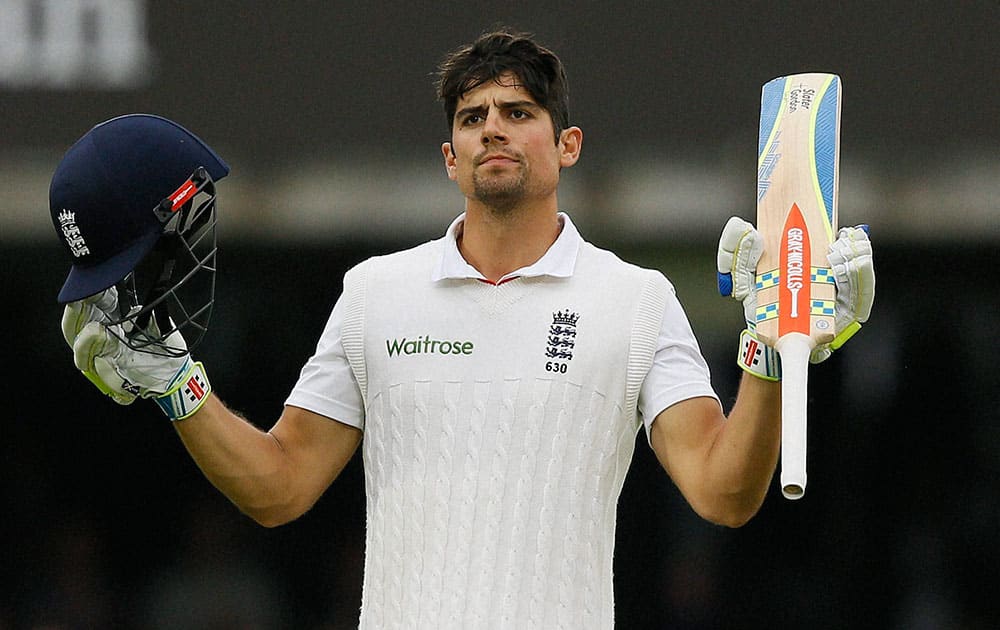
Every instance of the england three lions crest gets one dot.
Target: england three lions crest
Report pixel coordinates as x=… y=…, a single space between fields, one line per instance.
x=562 y=335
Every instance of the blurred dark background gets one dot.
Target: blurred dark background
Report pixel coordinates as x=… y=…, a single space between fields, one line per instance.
x=326 y=112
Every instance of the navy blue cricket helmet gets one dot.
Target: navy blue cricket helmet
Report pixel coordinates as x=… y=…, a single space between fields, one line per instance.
x=133 y=203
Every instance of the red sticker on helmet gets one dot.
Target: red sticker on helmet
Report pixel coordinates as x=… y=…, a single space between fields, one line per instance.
x=182 y=195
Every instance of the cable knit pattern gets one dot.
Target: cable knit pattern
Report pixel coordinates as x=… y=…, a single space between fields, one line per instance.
x=373 y=599
x=415 y=537
x=462 y=551
x=524 y=488
x=495 y=499
x=500 y=424
x=439 y=538
x=549 y=513
x=394 y=509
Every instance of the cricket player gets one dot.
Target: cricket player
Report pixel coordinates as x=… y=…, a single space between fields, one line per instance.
x=495 y=377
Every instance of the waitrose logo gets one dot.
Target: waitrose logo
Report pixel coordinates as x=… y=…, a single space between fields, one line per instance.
x=425 y=344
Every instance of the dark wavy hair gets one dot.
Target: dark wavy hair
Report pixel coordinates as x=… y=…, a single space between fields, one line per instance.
x=537 y=68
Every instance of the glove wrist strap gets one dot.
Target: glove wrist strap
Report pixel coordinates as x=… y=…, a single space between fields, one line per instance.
x=187 y=394
x=844 y=335
x=758 y=359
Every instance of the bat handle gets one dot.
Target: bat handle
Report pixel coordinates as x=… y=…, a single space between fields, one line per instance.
x=794 y=349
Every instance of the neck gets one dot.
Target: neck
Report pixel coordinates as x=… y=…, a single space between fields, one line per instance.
x=497 y=244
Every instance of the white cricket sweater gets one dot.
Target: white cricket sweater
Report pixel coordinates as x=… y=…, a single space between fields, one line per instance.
x=500 y=422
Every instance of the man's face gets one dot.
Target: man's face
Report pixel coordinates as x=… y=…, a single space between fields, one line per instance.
x=503 y=151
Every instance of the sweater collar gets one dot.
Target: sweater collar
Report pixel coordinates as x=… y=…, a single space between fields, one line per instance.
x=558 y=261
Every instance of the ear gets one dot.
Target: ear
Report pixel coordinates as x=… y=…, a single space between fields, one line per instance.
x=450 y=164
x=570 y=145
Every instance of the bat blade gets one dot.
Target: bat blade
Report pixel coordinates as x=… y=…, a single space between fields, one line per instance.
x=798 y=158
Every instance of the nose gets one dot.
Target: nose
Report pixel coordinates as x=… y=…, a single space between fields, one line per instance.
x=493 y=129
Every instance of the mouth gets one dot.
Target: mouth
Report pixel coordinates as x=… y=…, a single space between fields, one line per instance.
x=495 y=159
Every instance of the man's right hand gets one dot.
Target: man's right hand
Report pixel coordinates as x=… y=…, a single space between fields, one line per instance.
x=178 y=385
x=78 y=315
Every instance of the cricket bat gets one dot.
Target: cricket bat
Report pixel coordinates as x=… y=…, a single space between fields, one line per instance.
x=798 y=160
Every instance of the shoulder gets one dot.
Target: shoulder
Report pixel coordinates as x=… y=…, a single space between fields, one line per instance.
x=595 y=261
x=413 y=262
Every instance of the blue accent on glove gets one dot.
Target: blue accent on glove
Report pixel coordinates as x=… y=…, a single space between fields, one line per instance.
x=725 y=284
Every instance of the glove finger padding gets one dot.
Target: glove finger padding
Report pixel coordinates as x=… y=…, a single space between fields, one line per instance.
x=853 y=267
x=99 y=307
x=91 y=348
x=740 y=247
x=123 y=370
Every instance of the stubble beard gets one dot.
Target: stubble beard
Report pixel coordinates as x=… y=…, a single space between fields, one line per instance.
x=503 y=193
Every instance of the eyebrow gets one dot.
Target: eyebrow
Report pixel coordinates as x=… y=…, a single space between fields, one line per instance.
x=504 y=105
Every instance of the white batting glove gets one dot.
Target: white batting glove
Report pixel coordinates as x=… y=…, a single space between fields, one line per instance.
x=178 y=385
x=740 y=247
x=76 y=315
x=95 y=308
x=853 y=268
x=850 y=257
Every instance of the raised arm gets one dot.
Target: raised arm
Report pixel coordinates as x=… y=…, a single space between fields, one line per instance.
x=723 y=466
x=273 y=477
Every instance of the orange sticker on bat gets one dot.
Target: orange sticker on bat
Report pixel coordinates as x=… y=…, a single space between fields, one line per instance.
x=793 y=296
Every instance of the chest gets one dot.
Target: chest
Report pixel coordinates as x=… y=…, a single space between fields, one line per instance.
x=476 y=332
